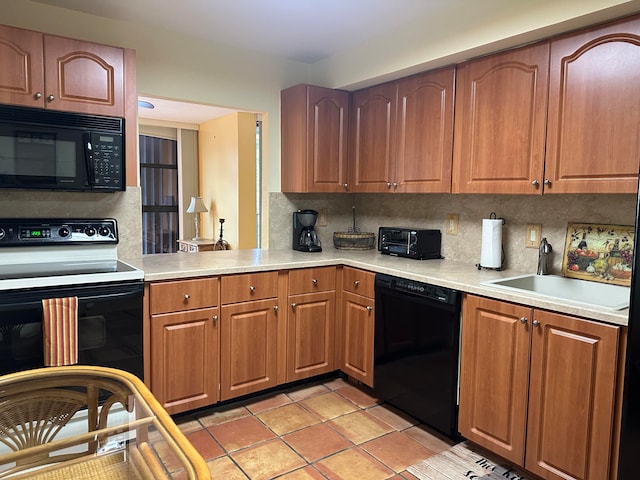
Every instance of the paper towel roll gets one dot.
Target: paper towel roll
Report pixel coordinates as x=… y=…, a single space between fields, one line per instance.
x=491 y=253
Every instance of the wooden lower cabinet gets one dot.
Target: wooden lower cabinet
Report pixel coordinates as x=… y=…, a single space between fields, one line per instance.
x=248 y=347
x=310 y=335
x=538 y=388
x=184 y=359
x=357 y=331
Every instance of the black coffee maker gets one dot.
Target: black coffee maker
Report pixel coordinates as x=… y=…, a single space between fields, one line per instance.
x=305 y=238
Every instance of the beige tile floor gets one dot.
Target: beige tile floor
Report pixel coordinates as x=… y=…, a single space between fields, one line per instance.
x=332 y=430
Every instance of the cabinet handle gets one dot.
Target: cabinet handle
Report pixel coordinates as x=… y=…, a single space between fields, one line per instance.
x=315 y=281
x=356 y=283
x=535 y=323
x=547 y=182
x=395 y=185
x=187 y=296
x=214 y=318
x=275 y=308
x=523 y=319
x=38 y=96
x=51 y=98
x=293 y=305
x=388 y=184
x=252 y=288
x=369 y=308
x=535 y=183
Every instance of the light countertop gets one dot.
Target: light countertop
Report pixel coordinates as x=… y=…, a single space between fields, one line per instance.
x=446 y=273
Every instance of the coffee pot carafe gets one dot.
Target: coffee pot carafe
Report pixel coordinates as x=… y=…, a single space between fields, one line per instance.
x=305 y=238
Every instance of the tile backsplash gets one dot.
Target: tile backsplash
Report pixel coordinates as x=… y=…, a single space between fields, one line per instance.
x=553 y=212
x=125 y=207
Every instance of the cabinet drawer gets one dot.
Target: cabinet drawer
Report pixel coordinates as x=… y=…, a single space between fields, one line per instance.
x=247 y=287
x=183 y=295
x=310 y=280
x=358 y=281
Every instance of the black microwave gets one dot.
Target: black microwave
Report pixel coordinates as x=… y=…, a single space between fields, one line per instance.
x=54 y=150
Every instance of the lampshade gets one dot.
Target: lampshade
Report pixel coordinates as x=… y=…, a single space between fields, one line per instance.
x=196 y=205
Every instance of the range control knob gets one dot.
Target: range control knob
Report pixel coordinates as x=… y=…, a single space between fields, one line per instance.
x=104 y=231
x=2 y=233
x=90 y=231
x=64 y=232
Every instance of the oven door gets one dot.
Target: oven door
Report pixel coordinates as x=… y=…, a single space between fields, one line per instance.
x=109 y=326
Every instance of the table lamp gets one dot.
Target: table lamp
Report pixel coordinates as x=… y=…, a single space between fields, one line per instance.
x=197 y=206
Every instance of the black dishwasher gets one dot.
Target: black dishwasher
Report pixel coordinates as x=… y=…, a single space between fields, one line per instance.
x=416 y=347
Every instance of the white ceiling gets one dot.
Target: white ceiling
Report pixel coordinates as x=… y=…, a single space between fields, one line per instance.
x=300 y=30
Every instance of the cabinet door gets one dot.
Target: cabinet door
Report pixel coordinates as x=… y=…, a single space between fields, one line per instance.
x=593 y=139
x=83 y=77
x=357 y=335
x=494 y=375
x=500 y=119
x=310 y=335
x=184 y=359
x=314 y=127
x=571 y=401
x=22 y=72
x=372 y=148
x=248 y=342
x=424 y=151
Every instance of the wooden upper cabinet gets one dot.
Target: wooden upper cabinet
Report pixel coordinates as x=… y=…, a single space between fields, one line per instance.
x=593 y=139
x=500 y=118
x=22 y=72
x=83 y=77
x=424 y=146
x=61 y=73
x=372 y=133
x=314 y=127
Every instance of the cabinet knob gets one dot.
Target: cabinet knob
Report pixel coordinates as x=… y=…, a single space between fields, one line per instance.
x=315 y=281
x=51 y=98
x=356 y=283
x=275 y=308
x=38 y=96
x=214 y=318
x=293 y=305
x=535 y=183
x=395 y=185
x=535 y=323
x=523 y=319
x=252 y=288
x=369 y=308
x=388 y=184
x=547 y=182
x=345 y=186
x=187 y=296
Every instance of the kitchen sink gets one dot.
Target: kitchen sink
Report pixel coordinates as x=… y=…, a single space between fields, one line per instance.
x=613 y=297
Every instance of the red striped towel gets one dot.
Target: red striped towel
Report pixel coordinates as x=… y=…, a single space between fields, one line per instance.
x=60 y=331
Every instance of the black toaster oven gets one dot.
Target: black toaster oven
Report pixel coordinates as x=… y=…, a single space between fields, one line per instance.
x=421 y=244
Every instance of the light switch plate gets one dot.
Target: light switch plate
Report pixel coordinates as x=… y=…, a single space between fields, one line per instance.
x=321 y=221
x=532 y=239
x=452 y=224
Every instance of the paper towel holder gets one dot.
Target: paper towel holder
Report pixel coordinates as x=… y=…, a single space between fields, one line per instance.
x=479 y=266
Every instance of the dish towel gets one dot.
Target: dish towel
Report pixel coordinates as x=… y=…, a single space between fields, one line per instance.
x=60 y=331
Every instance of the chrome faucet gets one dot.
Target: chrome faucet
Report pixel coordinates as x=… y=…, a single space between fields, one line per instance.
x=544 y=252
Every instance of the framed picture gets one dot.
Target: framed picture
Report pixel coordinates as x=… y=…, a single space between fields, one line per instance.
x=599 y=253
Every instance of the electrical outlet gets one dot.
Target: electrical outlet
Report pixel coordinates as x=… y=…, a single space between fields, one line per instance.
x=452 y=224
x=321 y=221
x=532 y=239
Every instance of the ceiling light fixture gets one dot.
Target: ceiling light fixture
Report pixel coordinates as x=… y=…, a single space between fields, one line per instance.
x=145 y=104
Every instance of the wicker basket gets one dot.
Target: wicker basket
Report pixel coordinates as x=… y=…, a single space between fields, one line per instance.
x=354 y=240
